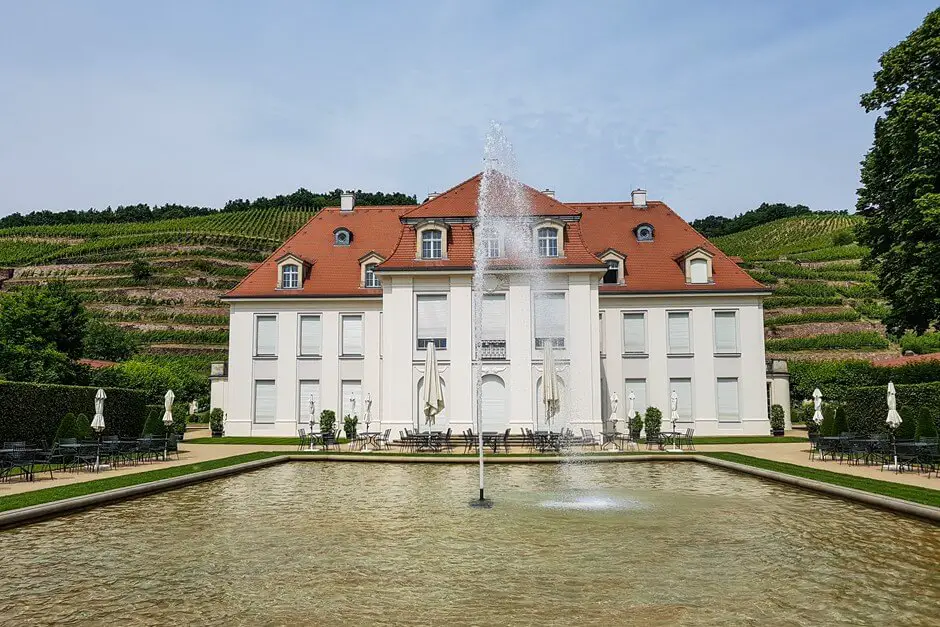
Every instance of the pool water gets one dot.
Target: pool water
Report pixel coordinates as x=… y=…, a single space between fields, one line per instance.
x=396 y=544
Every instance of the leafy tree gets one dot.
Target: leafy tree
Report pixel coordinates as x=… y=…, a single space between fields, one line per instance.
x=900 y=193
x=39 y=316
x=108 y=341
x=713 y=226
x=141 y=270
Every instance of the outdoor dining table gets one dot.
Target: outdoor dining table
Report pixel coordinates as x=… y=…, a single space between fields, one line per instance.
x=674 y=436
x=369 y=440
x=545 y=440
x=610 y=437
x=491 y=440
x=9 y=451
x=429 y=441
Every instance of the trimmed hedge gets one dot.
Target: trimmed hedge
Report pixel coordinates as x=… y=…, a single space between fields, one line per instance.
x=866 y=408
x=834 y=377
x=34 y=411
x=827 y=341
x=776 y=302
x=846 y=315
x=921 y=344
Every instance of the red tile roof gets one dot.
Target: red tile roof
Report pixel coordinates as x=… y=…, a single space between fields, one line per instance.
x=590 y=228
x=905 y=359
x=653 y=266
x=336 y=269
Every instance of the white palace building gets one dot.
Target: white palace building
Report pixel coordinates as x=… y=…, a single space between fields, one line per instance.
x=635 y=300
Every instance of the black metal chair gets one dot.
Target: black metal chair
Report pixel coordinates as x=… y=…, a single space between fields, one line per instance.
x=304 y=440
x=654 y=441
x=688 y=440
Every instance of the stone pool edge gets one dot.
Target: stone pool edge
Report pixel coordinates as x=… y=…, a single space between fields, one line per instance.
x=53 y=509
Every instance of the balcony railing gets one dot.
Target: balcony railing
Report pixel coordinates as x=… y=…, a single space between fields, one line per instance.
x=440 y=343
x=556 y=342
x=493 y=349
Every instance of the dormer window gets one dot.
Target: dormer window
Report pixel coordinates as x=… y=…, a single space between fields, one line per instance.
x=490 y=243
x=342 y=237
x=371 y=280
x=290 y=276
x=432 y=246
x=548 y=241
x=697 y=265
x=644 y=233
x=699 y=271
x=612 y=276
x=616 y=265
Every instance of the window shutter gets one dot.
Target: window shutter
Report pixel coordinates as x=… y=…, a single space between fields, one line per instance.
x=352 y=335
x=307 y=388
x=634 y=333
x=728 y=400
x=432 y=316
x=639 y=390
x=679 y=341
x=310 y=334
x=493 y=403
x=494 y=317
x=550 y=315
x=265 y=402
x=683 y=388
x=699 y=271
x=353 y=389
x=726 y=332
x=266 y=335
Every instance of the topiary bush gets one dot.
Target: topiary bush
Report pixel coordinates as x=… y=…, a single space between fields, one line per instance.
x=83 y=428
x=349 y=425
x=653 y=422
x=828 y=426
x=66 y=428
x=217 y=420
x=925 y=424
x=636 y=425
x=778 y=420
x=154 y=423
x=34 y=411
x=907 y=430
x=327 y=421
x=839 y=423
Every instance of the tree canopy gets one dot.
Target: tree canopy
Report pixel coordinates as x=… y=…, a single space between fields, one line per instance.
x=900 y=193
x=713 y=226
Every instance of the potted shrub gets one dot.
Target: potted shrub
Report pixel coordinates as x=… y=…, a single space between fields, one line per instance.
x=349 y=426
x=327 y=421
x=777 y=421
x=636 y=426
x=653 y=423
x=217 y=422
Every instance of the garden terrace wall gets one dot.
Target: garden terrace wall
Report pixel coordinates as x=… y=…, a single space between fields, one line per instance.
x=866 y=408
x=32 y=411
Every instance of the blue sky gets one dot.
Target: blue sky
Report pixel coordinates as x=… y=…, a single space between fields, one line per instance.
x=712 y=106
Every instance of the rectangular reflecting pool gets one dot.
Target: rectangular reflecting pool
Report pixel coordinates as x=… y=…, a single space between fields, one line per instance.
x=396 y=544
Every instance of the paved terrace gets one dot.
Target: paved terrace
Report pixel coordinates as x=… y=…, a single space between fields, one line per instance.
x=793 y=453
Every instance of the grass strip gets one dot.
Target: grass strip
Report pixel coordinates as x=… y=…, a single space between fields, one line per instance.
x=46 y=495
x=287 y=441
x=747 y=439
x=915 y=494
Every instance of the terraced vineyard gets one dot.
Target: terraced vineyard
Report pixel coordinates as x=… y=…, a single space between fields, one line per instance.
x=825 y=304
x=176 y=310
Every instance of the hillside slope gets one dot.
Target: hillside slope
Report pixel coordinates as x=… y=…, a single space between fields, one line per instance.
x=825 y=304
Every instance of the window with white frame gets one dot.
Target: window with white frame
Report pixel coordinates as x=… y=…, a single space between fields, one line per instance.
x=638 y=387
x=698 y=270
x=311 y=335
x=290 y=276
x=265 y=410
x=550 y=320
x=644 y=233
x=432 y=316
x=266 y=336
x=548 y=241
x=432 y=244
x=726 y=332
x=342 y=237
x=493 y=328
x=309 y=389
x=726 y=393
x=634 y=333
x=683 y=390
x=352 y=335
x=371 y=279
x=490 y=243
x=680 y=336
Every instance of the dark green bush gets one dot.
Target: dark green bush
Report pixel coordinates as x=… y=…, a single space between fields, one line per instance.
x=828 y=426
x=872 y=309
x=327 y=421
x=834 y=377
x=908 y=427
x=66 y=428
x=866 y=407
x=777 y=417
x=636 y=425
x=349 y=425
x=217 y=420
x=653 y=422
x=921 y=344
x=926 y=428
x=34 y=411
x=154 y=423
x=840 y=423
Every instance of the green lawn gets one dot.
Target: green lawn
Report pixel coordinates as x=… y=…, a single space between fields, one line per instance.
x=37 y=497
x=747 y=439
x=925 y=496
x=245 y=440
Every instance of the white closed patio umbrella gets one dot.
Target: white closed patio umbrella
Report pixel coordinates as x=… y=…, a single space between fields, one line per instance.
x=674 y=418
x=817 y=407
x=550 y=392
x=97 y=423
x=893 y=419
x=433 y=397
x=168 y=399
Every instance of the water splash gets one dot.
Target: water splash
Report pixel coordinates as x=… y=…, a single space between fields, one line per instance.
x=594 y=503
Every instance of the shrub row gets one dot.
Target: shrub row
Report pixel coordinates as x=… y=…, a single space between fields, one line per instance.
x=834 y=377
x=807 y=288
x=846 y=315
x=830 y=341
x=778 y=302
x=866 y=407
x=872 y=309
x=183 y=337
x=851 y=251
x=33 y=411
x=921 y=344
x=859 y=290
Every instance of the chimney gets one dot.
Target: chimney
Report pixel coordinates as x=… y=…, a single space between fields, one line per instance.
x=549 y=192
x=347 y=201
x=432 y=196
x=639 y=198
